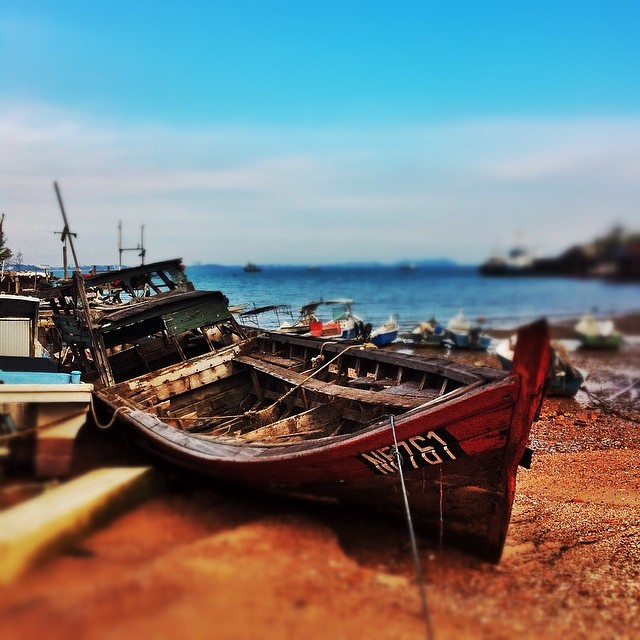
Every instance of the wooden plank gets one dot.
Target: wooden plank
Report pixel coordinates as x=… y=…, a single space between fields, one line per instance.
x=288 y=363
x=34 y=530
x=316 y=421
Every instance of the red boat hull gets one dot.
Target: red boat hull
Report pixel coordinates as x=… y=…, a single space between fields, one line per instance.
x=459 y=457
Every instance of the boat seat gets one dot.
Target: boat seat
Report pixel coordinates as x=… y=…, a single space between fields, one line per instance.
x=331 y=389
x=281 y=361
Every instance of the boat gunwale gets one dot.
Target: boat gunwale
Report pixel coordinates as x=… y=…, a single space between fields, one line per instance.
x=155 y=425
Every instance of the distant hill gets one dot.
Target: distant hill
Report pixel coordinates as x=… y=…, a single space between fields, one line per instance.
x=440 y=263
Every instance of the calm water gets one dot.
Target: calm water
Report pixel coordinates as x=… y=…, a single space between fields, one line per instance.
x=413 y=296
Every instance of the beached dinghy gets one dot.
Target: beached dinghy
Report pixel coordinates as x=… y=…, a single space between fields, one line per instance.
x=291 y=415
x=564 y=379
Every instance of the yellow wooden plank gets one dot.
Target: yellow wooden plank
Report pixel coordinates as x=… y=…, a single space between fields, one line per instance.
x=44 y=525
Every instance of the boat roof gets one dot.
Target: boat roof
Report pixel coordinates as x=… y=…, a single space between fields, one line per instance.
x=161 y=303
x=10 y=296
x=312 y=306
x=258 y=310
x=116 y=275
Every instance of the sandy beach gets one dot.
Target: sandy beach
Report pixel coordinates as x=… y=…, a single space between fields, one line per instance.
x=214 y=561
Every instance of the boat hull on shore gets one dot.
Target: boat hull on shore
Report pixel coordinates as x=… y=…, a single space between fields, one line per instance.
x=290 y=415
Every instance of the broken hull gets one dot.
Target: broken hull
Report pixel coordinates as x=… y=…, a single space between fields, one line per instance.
x=459 y=449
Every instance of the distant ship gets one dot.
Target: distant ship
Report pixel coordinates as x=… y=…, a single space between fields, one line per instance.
x=250 y=267
x=517 y=262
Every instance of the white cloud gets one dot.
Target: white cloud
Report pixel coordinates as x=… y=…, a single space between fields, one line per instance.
x=313 y=195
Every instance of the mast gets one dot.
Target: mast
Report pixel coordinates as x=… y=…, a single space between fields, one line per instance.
x=66 y=235
x=122 y=249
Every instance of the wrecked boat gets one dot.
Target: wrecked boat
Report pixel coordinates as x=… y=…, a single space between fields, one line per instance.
x=336 y=422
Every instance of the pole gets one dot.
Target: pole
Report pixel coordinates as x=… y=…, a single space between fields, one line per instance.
x=119 y=245
x=64 y=260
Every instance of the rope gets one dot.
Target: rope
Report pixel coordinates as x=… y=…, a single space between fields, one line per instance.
x=111 y=422
x=412 y=535
x=18 y=434
x=24 y=432
x=317 y=360
x=607 y=404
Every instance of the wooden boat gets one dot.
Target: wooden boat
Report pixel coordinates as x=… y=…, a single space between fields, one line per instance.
x=42 y=408
x=564 y=379
x=251 y=267
x=333 y=422
x=462 y=334
x=597 y=334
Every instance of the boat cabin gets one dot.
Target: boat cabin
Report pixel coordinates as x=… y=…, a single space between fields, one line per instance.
x=121 y=324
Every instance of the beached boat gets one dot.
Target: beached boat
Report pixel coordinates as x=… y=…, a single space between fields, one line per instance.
x=427 y=334
x=42 y=409
x=564 y=378
x=336 y=422
x=464 y=335
x=385 y=334
x=597 y=334
x=342 y=324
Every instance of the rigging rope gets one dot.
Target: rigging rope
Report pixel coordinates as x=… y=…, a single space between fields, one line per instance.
x=412 y=535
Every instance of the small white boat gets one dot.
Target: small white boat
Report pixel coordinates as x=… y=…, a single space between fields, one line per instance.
x=597 y=334
x=342 y=323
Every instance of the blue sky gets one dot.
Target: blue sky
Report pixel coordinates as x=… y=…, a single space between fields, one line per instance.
x=314 y=132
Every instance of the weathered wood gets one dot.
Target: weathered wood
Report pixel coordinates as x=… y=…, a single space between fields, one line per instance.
x=34 y=530
x=456 y=371
x=320 y=420
x=199 y=315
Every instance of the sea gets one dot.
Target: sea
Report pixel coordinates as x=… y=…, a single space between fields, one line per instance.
x=418 y=294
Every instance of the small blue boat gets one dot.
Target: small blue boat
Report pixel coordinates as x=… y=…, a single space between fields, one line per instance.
x=462 y=334
x=385 y=334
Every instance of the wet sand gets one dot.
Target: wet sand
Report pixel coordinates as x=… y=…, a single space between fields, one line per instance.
x=214 y=561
